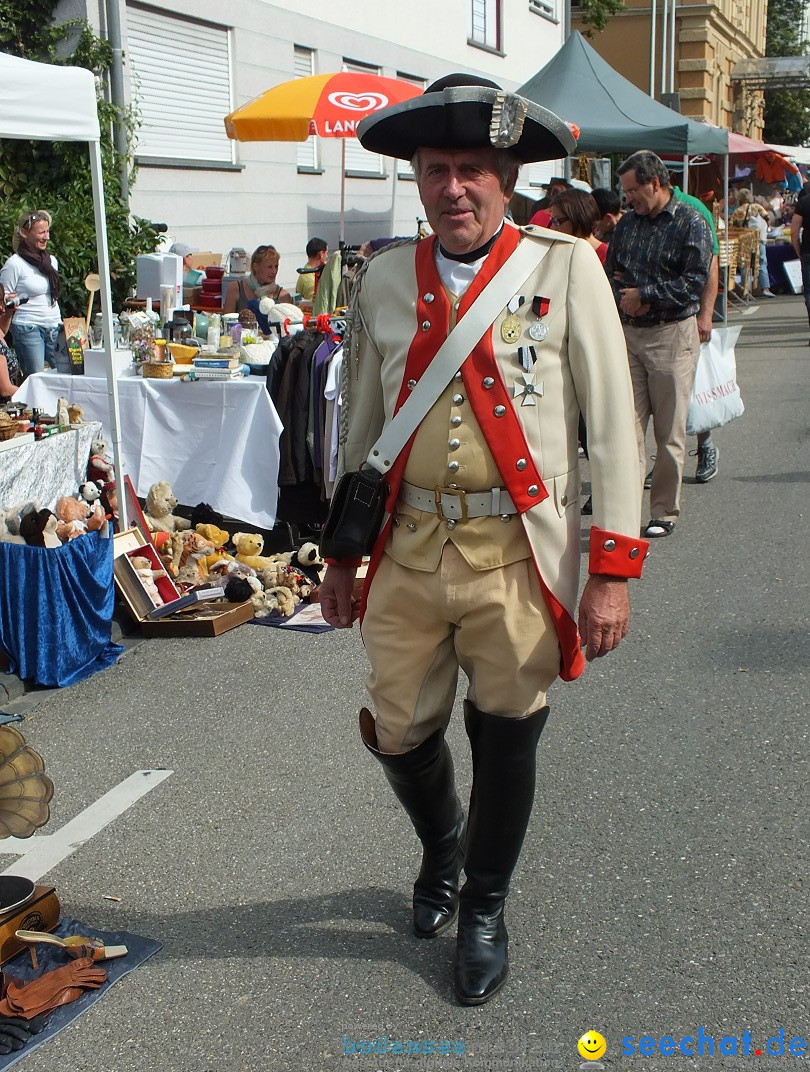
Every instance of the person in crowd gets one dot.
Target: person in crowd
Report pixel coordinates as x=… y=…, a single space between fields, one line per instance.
x=574 y=212
x=800 y=239
x=541 y=214
x=751 y=214
x=476 y=567
x=261 y=283
x=8 y=360
x=658 y=263
x=181 y=249
x=317 y=255
x=31 y=272
x=610 y=212
x=708 y=456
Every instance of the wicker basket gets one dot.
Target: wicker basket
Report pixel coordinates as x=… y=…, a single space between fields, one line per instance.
x=157 y=370
x=8 y=427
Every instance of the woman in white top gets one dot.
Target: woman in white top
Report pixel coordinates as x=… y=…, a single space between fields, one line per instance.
x=33 y=273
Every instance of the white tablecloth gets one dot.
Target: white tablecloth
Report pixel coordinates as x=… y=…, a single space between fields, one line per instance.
x=48 y=469
x=215 y=442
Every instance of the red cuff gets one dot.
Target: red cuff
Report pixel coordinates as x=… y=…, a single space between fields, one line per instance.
x=616 y=555
x=349 y=563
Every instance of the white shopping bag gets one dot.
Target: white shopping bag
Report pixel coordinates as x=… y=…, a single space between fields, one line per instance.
x=716 y=396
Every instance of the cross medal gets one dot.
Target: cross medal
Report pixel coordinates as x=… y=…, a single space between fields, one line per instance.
x=527 y=388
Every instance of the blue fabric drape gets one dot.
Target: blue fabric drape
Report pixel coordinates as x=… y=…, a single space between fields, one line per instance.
x=56 y=607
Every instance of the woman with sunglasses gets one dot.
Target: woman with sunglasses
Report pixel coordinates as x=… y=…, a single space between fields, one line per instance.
x=33 y=273
x=575 y=212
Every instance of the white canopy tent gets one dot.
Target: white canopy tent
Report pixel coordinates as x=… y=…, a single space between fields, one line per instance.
x=44 y=102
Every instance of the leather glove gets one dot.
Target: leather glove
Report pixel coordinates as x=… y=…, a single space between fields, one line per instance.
x=58 y=987
x=14 y=1033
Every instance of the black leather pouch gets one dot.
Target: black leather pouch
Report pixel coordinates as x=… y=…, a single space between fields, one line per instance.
x=355 y=515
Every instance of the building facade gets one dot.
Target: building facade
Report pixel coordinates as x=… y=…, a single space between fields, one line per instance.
x=709 y=39
x=187 y=63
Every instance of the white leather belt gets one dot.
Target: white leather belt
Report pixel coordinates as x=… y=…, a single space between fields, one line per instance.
x=454 y=504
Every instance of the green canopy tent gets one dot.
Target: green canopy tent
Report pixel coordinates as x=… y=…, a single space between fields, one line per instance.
x=612 y=114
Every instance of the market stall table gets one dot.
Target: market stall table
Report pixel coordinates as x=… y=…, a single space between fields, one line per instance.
x=215 y=442
x=47 y=469
x=777 y=253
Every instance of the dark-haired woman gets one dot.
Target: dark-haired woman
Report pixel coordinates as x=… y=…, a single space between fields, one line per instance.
x=575 y=212
x=33 y=273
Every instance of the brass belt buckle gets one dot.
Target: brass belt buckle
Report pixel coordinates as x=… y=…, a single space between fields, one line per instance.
x=459 y=494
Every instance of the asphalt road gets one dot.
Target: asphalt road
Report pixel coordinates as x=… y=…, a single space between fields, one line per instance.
x=663 y=887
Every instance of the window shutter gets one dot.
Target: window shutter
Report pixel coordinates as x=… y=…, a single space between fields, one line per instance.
x=304 y=66
x=181 y=80
x=358 y=158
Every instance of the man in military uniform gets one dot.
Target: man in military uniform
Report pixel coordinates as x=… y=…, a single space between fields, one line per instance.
x=477 y=564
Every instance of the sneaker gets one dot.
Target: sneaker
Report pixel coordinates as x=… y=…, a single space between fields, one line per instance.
x=707 y=463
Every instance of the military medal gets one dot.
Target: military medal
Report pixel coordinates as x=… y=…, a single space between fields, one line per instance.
x=511 y=327
x=527 y=356
x=527 y=390
x=538 y=330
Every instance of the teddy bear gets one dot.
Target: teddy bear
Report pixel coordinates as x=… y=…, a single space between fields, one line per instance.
x=249 y=546
x=100 y=468
x=148 y=576
x=75 y=413
x=307 y=560
x=158 y=509
x=90 y=492
x=219 y=538
x=72 y=517
x=38 y=529
x=10 y=524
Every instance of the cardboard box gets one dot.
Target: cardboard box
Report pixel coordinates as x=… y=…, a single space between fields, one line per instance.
x=200 y=620
x=95 y=362
x=204 y=258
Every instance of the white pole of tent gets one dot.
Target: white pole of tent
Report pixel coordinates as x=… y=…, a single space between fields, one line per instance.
x=686 y=173
x=653 y=12
x=664 y=17
x=725 y=233
x=342 y=228
x=672 y=46
x=103 y=253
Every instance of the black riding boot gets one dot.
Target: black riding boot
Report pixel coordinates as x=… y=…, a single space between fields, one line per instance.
x=423 y=783
x=503 y=755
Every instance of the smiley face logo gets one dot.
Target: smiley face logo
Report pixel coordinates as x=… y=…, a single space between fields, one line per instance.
x=592 y=1046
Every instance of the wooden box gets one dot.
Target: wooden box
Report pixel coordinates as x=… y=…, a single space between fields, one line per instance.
x=199 y=620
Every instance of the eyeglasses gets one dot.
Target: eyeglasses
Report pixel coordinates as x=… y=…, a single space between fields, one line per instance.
x=35 y=217
x=558 y=221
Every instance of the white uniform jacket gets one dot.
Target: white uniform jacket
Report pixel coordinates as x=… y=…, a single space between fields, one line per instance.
x=402 y=315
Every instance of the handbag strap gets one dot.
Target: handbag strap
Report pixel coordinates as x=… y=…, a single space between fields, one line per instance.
x=454 y=351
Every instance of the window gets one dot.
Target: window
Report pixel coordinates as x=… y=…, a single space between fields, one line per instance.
x=181 y=112
x=546 y=8
x=485 y=24
x=359 y=159
x=304 y=66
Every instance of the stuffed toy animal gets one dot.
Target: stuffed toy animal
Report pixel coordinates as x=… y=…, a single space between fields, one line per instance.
x=204 y=514
x=189 y=552
x=100 y=468
x=75 y=413
x=281 y=600
x=158 y=510
x=72 y=518
x=307 y=560
x=148 y=575
x=10 y=525
x=38 y=529
x=90 y=492
x=109 y=503
x=249 y=546
x=219 y=538
x=240 y=589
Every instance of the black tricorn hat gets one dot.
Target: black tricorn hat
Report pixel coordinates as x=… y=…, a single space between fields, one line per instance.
x=463 y=111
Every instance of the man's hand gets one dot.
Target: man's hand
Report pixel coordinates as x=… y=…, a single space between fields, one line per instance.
x=339 y=605
x=704 y=326
x=604 y=615
x=631 y=302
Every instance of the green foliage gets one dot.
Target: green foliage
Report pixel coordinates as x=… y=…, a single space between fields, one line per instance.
x=595 y=13
x=787 y=112
x=56 y=175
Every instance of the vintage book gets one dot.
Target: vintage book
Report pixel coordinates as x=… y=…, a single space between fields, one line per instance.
x=188 y=599
x=217 y=374
x=216 y=362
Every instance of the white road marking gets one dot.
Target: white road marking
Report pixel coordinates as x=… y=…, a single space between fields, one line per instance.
x=41 y=853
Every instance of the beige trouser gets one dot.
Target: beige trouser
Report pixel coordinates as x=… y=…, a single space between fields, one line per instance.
x=662 y=367
x=420 y=627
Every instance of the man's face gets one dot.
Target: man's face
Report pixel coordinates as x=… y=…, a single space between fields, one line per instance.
x=608 y=222
x=462 y=195
x=644 y=198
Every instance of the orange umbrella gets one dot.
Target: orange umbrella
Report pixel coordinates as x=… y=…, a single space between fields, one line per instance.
x=330 y=105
